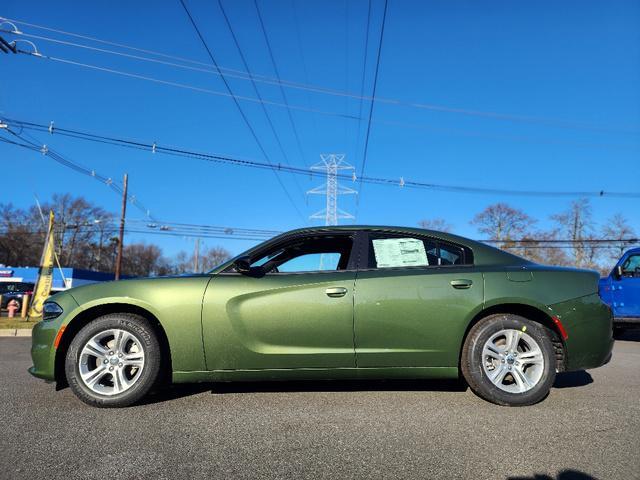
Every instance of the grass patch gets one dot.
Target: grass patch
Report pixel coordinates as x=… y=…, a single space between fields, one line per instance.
x=6 y=322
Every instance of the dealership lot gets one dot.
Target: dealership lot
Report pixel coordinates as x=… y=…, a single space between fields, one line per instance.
x=589 y=425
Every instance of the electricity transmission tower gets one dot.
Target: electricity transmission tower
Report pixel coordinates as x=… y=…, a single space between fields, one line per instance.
x=332 y=163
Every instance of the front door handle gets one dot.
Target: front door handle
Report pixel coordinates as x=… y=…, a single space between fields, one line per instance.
x=461 y=283
x=336 y=291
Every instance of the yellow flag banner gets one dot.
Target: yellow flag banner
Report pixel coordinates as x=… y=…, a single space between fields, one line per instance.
x=45 y=275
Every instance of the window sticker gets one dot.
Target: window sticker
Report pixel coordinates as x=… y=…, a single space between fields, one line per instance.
x=399 y=252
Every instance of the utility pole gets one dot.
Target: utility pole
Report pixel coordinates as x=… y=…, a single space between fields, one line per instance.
x=196 y=255
x=121 y=235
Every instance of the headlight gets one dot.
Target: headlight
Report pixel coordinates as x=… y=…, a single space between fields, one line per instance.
x=51 y=310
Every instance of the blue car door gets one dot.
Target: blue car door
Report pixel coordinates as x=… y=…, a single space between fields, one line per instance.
x=626 y=289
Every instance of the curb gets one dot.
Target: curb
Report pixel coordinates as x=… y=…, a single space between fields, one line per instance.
x=15 y=332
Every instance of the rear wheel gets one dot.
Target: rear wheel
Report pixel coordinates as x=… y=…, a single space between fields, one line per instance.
x=113 y=361
x=509 y=360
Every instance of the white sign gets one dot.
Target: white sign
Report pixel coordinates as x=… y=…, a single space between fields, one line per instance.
x=400 y=252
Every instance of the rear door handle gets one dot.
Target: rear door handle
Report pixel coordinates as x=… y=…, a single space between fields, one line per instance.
x=336 y=291
x=461 y=283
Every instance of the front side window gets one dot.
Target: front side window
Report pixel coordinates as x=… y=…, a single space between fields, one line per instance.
x=310 y=254
x=310 y=262
x=631 y=266
x=391 y=251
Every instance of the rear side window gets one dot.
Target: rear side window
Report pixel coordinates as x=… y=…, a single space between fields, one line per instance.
x=451 y=254
x=390 y=251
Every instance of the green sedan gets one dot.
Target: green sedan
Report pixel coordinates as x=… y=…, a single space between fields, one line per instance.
x=332 y=303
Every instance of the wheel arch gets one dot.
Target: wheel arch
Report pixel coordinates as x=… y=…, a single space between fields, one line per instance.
x=86 y=316
x=530 y=312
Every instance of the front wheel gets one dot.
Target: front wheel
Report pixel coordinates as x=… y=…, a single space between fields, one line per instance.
x=509 y=360
x=113 y=361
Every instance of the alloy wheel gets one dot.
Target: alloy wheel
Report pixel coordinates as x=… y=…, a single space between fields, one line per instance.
x=111 y=362
x=513 y=361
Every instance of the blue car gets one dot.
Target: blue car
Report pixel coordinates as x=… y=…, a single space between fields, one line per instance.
x=621 y=290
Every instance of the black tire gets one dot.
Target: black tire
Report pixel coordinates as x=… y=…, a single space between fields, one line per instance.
x=133 y=324
x=471 y=361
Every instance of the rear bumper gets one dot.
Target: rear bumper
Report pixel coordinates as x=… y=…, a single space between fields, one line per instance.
x=589 y=325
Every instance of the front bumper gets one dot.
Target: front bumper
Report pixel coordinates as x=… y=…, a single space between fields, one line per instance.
x=589 y=325
x=43 y=337
x=43 y=353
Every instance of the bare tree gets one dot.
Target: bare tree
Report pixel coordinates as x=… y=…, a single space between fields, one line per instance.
x=18 y=235
x=214 y=256
x=617 y=228
x=209 y=258
x=76 y=226
x=141 y=260
x=81 y=233
x=536 y=247
x=438 y=224
x=576 y=223
x=503 y=224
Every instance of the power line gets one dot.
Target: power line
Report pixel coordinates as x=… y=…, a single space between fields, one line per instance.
x=55 y=156
x=554 y=122
x=396 y=182
x=373 y=96
x=139 y=224
x=6 y=229
x=275 y=69
x=150 y=232
x=364 y=71
x=237 y=104
x=187 y=228
x=517 y=138
x=296 y=21
x=255 y=87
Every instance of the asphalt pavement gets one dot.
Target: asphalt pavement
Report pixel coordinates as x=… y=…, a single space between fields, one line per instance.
x=588 y=427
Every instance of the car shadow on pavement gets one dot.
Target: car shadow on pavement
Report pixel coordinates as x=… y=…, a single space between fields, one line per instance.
x=563 y=475
x=579 y=378
x=342 y=386
x=176 y=391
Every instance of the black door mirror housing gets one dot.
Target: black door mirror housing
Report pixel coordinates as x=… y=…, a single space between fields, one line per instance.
x=242 y=265
x=617 y=272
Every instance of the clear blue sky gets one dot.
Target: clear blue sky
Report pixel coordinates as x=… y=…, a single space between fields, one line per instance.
x=572 y=61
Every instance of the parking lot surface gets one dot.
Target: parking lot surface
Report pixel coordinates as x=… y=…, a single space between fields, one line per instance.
x=589 y=427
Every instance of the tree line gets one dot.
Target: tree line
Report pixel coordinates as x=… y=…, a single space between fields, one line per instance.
x=574 y=239
x=86 y=236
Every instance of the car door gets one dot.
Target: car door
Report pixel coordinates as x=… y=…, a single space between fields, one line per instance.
x=295 y=311
x=414 y=298
x=626 y=289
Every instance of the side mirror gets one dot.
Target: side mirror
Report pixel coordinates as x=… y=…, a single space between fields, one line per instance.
x=242 y=265
x=617 y=272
